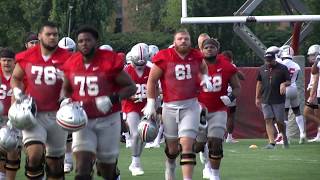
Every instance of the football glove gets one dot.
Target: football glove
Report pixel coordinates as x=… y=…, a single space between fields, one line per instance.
x=227 y=100
x=206 y=84
x=149 y=110
x=103 y=103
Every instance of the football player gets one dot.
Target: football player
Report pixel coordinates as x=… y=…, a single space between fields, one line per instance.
x=178 y=70
x=139 y=73
x=11 y=162
x=37 y=74
x=221 y=73
x=311 y=111
x=96 y=78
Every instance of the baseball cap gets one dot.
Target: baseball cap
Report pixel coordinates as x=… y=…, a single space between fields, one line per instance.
x=31 y=36
x=270 y=55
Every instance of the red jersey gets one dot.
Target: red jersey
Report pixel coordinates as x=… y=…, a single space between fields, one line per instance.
x=180 y=79
x=129 y=105
x=220 y=74
x=5 y=93
x=43 y=80
x=97 y=79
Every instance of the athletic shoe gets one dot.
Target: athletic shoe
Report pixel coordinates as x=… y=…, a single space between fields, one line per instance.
x=278 y=138
x=303 y=139
x=206 y=173
x=270 y=146
x=68 y=167
x=170 y=173
x=315 y=139
x=148 y=145
x=231 y=140
x=128 y=143
x=136 y=170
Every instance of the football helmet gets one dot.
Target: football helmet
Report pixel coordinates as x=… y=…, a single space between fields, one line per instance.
x=106 y=47
x=22 y=113
x=67 y=43
x=147 y=129
x=140 y=54
x=286 y=52
x=314 y=50
x=72 y=117
x=153 y=50
x=129 y=58
x=10 y=138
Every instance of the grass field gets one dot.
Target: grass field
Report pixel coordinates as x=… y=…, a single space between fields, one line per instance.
x=299 y=162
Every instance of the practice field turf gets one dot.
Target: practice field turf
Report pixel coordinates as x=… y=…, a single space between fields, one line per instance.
x=299 y=162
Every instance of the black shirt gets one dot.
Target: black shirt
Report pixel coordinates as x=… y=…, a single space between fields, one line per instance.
x=271 y=78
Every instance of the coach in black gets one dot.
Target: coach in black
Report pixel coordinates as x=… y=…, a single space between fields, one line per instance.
x=272 y=80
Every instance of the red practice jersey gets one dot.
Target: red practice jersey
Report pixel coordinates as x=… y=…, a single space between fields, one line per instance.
x=5 y=93
x=98 y=79
x=43 y=79
x=128 y=105
x=180 y=80
x=220 y=74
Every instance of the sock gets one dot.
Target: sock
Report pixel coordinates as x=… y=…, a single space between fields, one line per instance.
x=171 y=163
x=215 y=175
x=286 y=123
x=187 y=178
x=2 y=176
x=207 y=165
x=318 y=134
x=68 y=157
x=229 y=136
x=136 y=161
x=276 y=126
x=127 y=135
x=159 y=135
x=300 y=123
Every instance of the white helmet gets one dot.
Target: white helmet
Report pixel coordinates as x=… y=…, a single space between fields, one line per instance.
x=106 y=47
x=147 y=129
x=129 y=58
x=22 y=113
x=153 y=50
x=67 y=43
x=286 y=52
x=314 y=50
x=140 y=54
x=72 y=117
x=10 y=138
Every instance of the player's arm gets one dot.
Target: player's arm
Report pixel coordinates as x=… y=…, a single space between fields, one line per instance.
x=128 y=87
x=258 y=94
x=17 y=82
x=313 y=91
x=241 y=75
x=66 y=88
x=204 y=67
x=235 y=84
x=286 y=83
x=205 y=80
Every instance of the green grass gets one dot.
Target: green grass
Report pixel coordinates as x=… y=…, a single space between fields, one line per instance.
x=299 y=162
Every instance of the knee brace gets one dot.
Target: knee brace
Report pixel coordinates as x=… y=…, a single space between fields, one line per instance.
x=296 y=111
x=171 y=156
x=115 y=175
x=69 y=138
x=54 y=172
x=188 y=159
x=37 y=171
x=215 y=148
x=12 y=165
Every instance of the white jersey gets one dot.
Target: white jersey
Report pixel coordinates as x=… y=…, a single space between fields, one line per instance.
x=294 y=70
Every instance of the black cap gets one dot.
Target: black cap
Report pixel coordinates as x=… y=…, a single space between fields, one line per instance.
x=31 y=36
x=270 y=55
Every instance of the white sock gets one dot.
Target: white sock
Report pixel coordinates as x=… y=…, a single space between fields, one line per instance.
x=229 y=136
x=286 y=123
x=276 y=126
x=159 y=135
x=127 y=135
x=300 y=123
x=207 y=165
x=135 y=161
x=68 y=157
x=318 y=133
x=215 y=174
x=187 y=178
x=2 y=176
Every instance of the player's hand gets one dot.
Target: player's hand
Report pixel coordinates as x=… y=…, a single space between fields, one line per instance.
x=149 y=110
x=226 y=100
x=206 y=84
x=258 y=103
x=103 y=103
x=17 y=93
x=282 y=89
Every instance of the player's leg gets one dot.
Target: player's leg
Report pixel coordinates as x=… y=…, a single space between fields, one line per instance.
x=279 y=112
x=133 y=119
x=216 y=129
x=13 y=163
x=230 y=124
x=55 y=148
x=188 y=130
x=84 y=147
x=68 y=159
x=108 y=130
x=172 y=149
x=268 y=116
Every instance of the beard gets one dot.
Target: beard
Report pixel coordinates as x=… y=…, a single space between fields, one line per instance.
x=50 y=48
x=182 y=49
x=211 y=59
x=90 y=53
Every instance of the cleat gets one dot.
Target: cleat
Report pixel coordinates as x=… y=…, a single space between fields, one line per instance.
x=136 y=170
x=278 y=138
x=152 y=145
x=270 y=146
x=303 y=139
x=68 y=167
x=279 y=142
x=148 y=145
x=231 y=140
x=128 y=143
x=315 y=139
x=206 y=173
